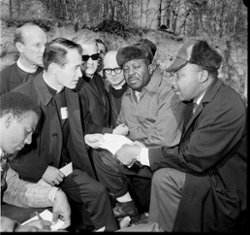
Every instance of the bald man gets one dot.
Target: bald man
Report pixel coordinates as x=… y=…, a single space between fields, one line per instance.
x=113 y=74
x=29 y=40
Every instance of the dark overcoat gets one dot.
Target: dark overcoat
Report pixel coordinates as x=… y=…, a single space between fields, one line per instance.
x=10 y=78
x=213 y=153
x=46 y=149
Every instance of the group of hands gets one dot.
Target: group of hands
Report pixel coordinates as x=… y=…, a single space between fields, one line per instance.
x=126 y=155
x=61 y=209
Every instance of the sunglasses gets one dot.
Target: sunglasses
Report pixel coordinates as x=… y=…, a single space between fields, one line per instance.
x=109 y=71
x=93 y=57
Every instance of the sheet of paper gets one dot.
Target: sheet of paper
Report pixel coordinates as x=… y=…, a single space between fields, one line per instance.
x=47 y=215
x=114 y=142
x=68 y=169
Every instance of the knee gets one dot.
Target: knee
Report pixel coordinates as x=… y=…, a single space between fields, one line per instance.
x=159 y=174
x=168 y=177
x=98 y=189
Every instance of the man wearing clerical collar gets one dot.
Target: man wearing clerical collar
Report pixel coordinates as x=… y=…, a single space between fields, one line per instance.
x=29 y=40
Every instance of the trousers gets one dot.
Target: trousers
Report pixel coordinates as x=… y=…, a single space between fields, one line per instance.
x=166 y=192
x=85 y=193
x=119 y=178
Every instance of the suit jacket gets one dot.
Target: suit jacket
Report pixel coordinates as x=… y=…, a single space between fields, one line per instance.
x=10 y=78
x=46 y=150
x=213 y=152
x=96 y=98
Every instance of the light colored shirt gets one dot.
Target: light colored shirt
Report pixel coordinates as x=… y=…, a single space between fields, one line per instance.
x=23 y=193
x=156 y=119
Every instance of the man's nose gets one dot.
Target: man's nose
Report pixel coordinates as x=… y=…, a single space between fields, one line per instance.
x=28 y=139
x=79 y=72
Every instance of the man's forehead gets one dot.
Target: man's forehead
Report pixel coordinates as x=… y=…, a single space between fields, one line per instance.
x=134 y=61
x=73 y=57
x=110 y=58
x=89 y=47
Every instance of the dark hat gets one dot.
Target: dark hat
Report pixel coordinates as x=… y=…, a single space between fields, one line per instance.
x=196 y=52
x=149 y=44
x=140 y=50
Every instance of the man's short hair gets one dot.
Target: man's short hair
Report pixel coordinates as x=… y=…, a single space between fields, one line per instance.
x=98 y=40
x=85 y=39
x=17 y=104
x=56 y=51
x=18 y=35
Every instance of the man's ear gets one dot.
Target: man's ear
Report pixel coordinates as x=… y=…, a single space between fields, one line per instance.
x=54 y=68
x=203 y=76
x=8 y=120
x=151 y=68
x=19 y=46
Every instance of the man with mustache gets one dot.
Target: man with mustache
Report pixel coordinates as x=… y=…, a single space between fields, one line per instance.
x=153 y=115
x=200 y=185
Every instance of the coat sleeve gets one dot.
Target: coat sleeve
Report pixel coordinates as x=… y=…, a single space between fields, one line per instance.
x=167 y=128
x=214 y=135
x=88 y=124
x=24 y=163
x=25 y=194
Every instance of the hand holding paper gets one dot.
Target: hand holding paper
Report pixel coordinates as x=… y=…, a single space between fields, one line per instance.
x=46 y=215
x=61 y=208
x=127 y=154
x=114 y=142
x=93 y=140
x=121 y=129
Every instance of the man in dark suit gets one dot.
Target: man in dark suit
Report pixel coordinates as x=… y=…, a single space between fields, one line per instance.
x=30 y=41
x=91 y=86
x=201 y=184
x=61 y=136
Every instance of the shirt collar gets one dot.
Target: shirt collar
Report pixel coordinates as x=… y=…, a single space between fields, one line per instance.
x=119 y=87
x=198 y=100
x=25 y=69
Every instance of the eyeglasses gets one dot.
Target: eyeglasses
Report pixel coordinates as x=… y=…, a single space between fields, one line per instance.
x=93 y=57
x=109 y=71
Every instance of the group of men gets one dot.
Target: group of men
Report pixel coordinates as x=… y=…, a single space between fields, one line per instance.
x=188 y=159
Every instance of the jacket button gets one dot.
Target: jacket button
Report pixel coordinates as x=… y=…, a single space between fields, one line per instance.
x=54 y=134
x=156 y=164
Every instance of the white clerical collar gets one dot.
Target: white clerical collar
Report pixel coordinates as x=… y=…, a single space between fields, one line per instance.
x=47 y=81
x=119 y=86
x=25 y=69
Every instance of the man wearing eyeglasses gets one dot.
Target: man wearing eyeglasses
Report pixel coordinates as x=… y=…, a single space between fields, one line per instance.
x=91 y=86
x=117 y=85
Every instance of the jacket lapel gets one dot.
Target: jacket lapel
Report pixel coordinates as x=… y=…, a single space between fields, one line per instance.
x=211 y=92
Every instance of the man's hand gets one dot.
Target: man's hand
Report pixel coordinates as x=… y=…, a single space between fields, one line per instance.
x=121 y=129
x=127 y=154
x=35 y=226
x=53 y=176
x=61 y=208
x=94 y=140
x=139 y=144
